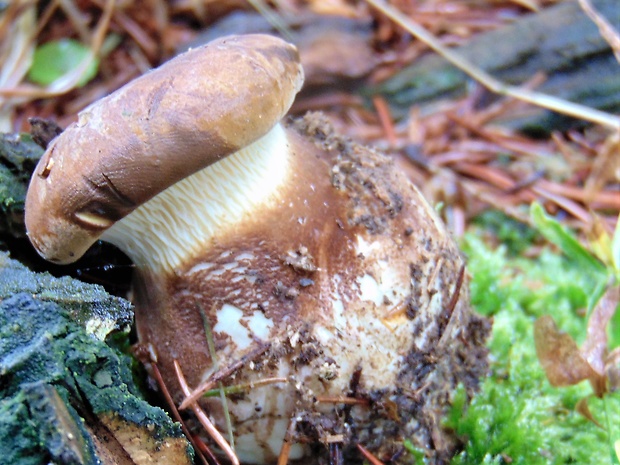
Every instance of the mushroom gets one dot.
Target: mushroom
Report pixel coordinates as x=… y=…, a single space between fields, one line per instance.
x=309 y=260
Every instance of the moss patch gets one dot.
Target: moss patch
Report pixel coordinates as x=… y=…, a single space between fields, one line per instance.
x=519 y=417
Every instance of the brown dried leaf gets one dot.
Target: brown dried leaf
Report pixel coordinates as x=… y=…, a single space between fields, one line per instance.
x=594 y=349
x=564 y=363
x=612 y=369
x=584 y=410
x=559 y=355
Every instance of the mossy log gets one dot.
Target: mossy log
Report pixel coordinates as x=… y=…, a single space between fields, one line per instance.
x=560 y=41
x=67 y=397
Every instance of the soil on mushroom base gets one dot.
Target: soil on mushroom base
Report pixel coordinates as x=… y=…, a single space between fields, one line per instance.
x=365 y=175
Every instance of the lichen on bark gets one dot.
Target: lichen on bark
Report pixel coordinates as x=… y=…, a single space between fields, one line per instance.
x=60 y=384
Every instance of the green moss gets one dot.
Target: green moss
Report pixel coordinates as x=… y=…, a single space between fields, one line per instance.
x=15 y=424
x=518 y=417
x=516 y=236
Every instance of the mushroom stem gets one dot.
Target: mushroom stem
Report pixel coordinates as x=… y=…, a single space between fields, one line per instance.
x=181 y=220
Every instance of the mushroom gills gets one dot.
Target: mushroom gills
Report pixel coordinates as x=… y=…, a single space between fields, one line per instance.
x=182 y=219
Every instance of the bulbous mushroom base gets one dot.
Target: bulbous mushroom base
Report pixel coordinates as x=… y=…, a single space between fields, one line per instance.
x=341 y=309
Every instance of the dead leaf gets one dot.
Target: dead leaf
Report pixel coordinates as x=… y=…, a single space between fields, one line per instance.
x=594 y=348
x=612 y=369
x=584 y=410
x=564 y=363
x=559 y=354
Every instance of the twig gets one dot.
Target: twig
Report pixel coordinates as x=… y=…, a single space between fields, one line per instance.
x=213 y=354
x=607 y=31
x=76 y=18
x=245 y=387
x=140 y=37
x=603 y=169
x=341 y=400
x=68 y=81
x=272 y=18
x=204 y=419
x=335 y=451
x=16 y=36
x=494 y=85
x=221 y=374
x=566 y=204
x=288 y=439
x=383 y=112
x=368 y=456
x=448 y=311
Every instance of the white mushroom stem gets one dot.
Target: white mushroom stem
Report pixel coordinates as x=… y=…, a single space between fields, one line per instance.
x=180 y=221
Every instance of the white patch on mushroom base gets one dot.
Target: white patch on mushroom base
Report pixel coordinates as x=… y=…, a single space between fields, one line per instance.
x=357 y=325
x=369 y=289
x=323 y=335
x=366 y=248
x=229 y=322
x=178 y=222
x=388 y=288
x=245 y=256
x=248 y=449
x=260 y=325
x=340 y=322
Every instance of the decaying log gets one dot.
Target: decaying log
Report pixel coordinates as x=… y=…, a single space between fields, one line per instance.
x=560 y=41
x=66 y=397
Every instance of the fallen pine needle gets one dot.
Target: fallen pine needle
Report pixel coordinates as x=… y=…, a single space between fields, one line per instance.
x=368 y=456
x=204 y=419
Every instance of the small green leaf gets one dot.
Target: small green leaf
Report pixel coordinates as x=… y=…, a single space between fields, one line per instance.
x=55 y=59
x=555 y=233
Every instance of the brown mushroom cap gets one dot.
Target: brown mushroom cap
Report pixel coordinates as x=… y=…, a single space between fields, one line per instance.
x=160 y=128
